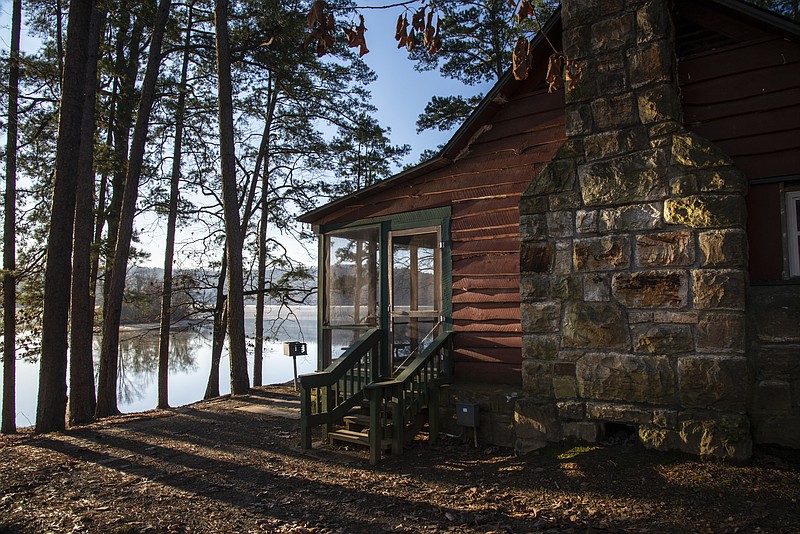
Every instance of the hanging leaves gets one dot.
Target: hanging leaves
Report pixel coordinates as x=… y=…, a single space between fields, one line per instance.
x=322 y=27
x=525 y=11
x=436 y=41
x=522 y=59
x=421 y=29
x=355 y=37
x=418 y=20
x=561 y=69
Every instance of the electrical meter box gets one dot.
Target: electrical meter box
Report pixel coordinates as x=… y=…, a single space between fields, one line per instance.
x=467 y=413
x=294 y=348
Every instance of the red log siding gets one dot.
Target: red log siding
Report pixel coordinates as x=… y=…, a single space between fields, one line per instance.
x=483 y=187
x=746 y=99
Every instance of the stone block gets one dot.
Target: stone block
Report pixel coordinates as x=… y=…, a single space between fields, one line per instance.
x=527 y=446
x=626 y=378
x=659 y=104
x=535 y=420
x=577 y=40
x=540 y=317
x=631 y=217
x=664 y=419
x=675 y=317
x=773 y=395
x=772 y=429
x=778 y=362
x=567 y=287
x=563 y=261
x=602 y=253
x=595 y=325
x=615 y=112
x=579 y=120
x=650 y=63
x=531 y=204
x=721 y=180
x=502 y=430
x=565 y=387
x=559 y=223
x=633 y=177
x=613 y=33
x=535 y=287
x=683 y=185
x=557 y=176
x=723 y=248
x=570 y=410
x=540 y=347
x=606 y=144
x=653 y=22
x=721 y=332
x=536 y=257
x=690 y=151
x=582 y=430
x=665 y=249
x=533 y=227
x=716 y=435
x=659 y=439
x=563 y=201
x=618 y=413
x=707 y=211
x=662 y=338
x=640 y=316
x=596 y=287
x=651 y=289
x=719 y=289
x=537 y=377
x=775 y=313
x=586 y=221
x=714 y=382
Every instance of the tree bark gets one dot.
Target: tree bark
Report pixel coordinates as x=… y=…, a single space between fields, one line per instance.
x=263 y=162
x=172 y=217
x=52 y=400
x=109 y=352
x=9 y=425
x=129 y=67
x=82 y=400
x=240 y=382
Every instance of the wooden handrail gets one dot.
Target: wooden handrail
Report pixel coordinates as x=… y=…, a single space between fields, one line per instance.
x=339 y=387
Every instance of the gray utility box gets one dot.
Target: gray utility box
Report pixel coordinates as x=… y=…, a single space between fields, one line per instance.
x=468 y=413
x=294 y=348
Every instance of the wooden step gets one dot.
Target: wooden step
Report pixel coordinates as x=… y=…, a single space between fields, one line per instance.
x=358 y=438
x=360 y=420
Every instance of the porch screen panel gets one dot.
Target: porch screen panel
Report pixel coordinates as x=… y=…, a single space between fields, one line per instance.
x=352 y=278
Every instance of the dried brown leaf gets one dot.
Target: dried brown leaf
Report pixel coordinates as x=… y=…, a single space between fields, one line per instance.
x=418 y=20
x=412 y=40
x=436 y=42
x=525 y=11
x=521 y=59
x=316 y=15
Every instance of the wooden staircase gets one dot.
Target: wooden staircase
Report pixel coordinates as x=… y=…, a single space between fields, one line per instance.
x=358 y=407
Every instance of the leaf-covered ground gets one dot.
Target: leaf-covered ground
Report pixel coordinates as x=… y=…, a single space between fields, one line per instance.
x=234 y=465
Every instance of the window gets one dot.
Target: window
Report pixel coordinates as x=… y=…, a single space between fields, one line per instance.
x=793 y=231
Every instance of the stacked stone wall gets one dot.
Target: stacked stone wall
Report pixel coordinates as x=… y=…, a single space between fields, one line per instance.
x=774 y=320
x=633 y=255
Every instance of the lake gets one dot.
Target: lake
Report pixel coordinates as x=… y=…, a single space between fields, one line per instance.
x=190 y=361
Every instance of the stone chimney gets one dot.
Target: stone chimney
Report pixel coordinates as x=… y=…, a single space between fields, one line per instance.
x=633 y=255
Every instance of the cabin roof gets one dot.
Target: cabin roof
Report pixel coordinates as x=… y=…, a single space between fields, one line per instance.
x=771 y=22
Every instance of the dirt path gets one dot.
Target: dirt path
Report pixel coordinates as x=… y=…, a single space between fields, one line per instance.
x=233 y=465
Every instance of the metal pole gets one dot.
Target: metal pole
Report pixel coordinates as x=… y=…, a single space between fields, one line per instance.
x=294 y=361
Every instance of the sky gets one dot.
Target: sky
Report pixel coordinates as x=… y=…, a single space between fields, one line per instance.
x=399 y=94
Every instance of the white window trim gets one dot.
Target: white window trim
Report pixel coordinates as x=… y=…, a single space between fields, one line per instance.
x=792 y=197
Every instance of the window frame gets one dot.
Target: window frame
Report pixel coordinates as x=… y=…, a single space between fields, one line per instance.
x=792 y=199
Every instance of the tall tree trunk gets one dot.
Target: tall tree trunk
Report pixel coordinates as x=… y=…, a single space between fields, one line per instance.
x=52 y=401
x=169 y=252
x=240 y=382
x=81 y=370
x=217 y=344
x=9 y=425
x=109 y=352
x=263 y=160
x=122 y=127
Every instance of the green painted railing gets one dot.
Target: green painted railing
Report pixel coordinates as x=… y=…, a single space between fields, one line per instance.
x=416 y=387
x=327 y=396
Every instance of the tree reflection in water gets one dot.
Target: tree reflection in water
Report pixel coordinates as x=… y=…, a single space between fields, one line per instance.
x=138 y=359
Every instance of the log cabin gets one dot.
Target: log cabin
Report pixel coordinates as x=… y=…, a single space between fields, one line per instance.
x=621 y=257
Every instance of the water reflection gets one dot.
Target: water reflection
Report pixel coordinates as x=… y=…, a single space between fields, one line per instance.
x=138 y=363
x=190 y=362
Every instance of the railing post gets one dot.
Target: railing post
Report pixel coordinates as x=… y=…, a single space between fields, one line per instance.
x=398 y=419
x=305 y=417
x=375 y=425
